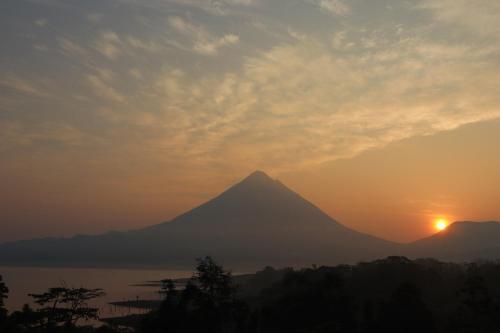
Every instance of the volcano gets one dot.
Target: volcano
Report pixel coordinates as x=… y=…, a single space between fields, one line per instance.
x=257 y=222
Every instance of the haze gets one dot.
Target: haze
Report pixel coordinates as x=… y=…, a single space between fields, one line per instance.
x=121 y=114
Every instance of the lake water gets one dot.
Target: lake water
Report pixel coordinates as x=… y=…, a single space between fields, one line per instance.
x=119 y=285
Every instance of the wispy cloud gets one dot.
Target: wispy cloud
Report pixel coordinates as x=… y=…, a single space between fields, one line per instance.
x=72 y=49
x=94 y=17
x=109 y=44
x=300 y=104
x=23 y=86
x=217 y=7
x=104 y=89
x=41 y=22
x=18 y=135
x=335 y=7
x=478 y=16
x=202 y=41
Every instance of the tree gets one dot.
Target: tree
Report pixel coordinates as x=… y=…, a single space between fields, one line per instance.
x=66 y=306
x=477 y=311
x=167 y=288
x=310 y=300
x=213 y=280
x=405 y=312
x=3 y=295
x=207 y=304
x=26 y=318
x=475 y=294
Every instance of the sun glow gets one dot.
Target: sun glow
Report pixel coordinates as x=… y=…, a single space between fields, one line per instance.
x=441 y=224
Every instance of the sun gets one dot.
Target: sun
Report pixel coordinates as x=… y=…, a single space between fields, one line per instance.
x=441 y=224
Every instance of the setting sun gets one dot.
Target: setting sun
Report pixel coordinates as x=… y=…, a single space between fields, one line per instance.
x=441 y=224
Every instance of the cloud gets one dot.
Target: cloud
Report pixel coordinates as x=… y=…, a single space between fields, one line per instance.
x=103 y=89
x=301 y=103
x=210 y=47
x=15 y=134
x=94 y=17
x=212 y=7
x=135 y=43
x=136 y=73
x=24 y=86
x=40 y=47
x=216 y=7
x=109 y=44
x=335 y=7
x=72 y=49
x=41 y=22
x=11 y=136
x=478 y=16
x=295 y=97
x=202 y=41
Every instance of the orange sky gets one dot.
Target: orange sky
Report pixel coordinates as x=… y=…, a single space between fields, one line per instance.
x=393 y=192
x=396 y=192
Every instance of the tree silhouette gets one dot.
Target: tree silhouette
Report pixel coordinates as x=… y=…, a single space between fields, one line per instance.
x=477 y=311
x=65 y=306
x=207 y=304
x=167 y=288
x=213 y=280
x=311 y=300
x=27 y=318
x=4 y=291
x=405 y=312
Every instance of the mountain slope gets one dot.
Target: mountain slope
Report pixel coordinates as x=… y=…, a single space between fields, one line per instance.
x=461 y=241
x=257 y=222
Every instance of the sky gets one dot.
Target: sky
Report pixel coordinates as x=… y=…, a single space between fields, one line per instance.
x=120 y=114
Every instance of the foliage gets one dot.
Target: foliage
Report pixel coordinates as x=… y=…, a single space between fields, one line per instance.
x=207 y=304
x=213 y=280
x=4 y=291
x=167 y=287
x=477 y=312
x=62 y=306
x=59 y=311
x=405 y=309
x=312 y=300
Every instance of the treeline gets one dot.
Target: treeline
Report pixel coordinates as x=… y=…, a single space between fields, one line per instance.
x=389 y=295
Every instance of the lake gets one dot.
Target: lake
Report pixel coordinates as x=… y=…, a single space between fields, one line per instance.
x=119 y=285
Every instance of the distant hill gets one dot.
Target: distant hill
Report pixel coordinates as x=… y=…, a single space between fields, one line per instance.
x=257 y=222
x=461 y=241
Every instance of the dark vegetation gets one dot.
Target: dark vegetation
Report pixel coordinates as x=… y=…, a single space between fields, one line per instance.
x=389 y=295
x=58 y=310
